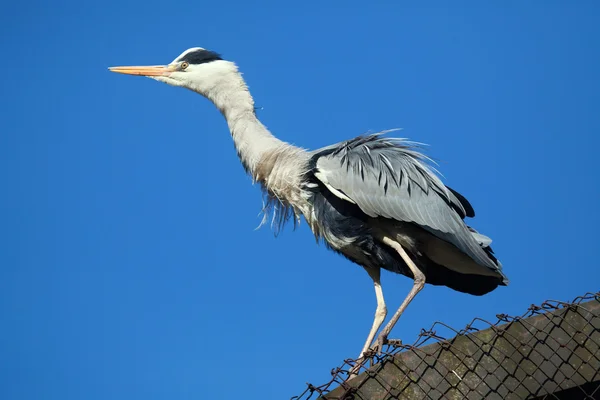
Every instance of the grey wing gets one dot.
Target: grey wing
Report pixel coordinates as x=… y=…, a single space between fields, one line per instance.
x=390 y=178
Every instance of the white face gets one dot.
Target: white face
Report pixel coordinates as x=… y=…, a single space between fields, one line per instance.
x=196 y=68
x=182 y=72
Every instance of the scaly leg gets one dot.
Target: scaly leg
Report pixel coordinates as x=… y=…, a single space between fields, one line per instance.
x=380 y=314
x=419 y=278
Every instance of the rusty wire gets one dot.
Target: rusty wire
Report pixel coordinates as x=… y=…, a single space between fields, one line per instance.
x=552 y=351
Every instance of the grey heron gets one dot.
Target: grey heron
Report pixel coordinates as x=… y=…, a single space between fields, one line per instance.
x=376 y=200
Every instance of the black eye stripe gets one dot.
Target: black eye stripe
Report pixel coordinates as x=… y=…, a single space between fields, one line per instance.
x=200 y=57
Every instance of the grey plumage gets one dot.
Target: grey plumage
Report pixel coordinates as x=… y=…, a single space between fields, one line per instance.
x=374 y=199
x=387 y=180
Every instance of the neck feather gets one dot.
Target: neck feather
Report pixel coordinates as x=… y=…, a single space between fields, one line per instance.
x=251 y=138
x=277 y=165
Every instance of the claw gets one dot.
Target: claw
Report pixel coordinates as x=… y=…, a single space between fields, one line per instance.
x=375 y=349
x=379 y=343
x=360 y=362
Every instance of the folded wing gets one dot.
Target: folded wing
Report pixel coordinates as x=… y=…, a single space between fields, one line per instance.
x=390 y=178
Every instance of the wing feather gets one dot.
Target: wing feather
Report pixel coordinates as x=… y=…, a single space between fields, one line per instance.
x=390 y=178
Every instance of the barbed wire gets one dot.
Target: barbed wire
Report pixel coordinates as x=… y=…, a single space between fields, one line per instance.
x=551 y=348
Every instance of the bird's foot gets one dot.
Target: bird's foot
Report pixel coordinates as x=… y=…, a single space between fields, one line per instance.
x=375 y=349
x=381 y=341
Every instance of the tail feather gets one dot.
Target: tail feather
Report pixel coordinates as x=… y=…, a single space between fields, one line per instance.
x=485 y=243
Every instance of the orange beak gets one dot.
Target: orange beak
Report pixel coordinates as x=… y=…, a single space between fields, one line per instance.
x=152 y=70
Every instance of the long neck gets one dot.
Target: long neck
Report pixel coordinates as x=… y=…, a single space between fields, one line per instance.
x=278 y=166
x=252 y=139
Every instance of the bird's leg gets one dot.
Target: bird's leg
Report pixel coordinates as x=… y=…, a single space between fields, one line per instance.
x=419 y=278
x=380 y=314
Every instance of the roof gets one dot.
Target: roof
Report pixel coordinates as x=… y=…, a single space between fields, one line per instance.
x=551 y=351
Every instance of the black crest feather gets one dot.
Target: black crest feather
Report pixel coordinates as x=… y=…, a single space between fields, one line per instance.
x=201 y=56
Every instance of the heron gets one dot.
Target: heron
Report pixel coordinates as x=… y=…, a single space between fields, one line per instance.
x=377 y=200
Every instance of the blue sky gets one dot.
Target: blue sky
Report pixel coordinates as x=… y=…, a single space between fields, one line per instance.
x=130 y=266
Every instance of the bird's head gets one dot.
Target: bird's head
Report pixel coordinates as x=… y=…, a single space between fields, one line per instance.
x=197 y=69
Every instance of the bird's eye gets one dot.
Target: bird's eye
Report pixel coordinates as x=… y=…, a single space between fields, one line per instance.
x=184 y=65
